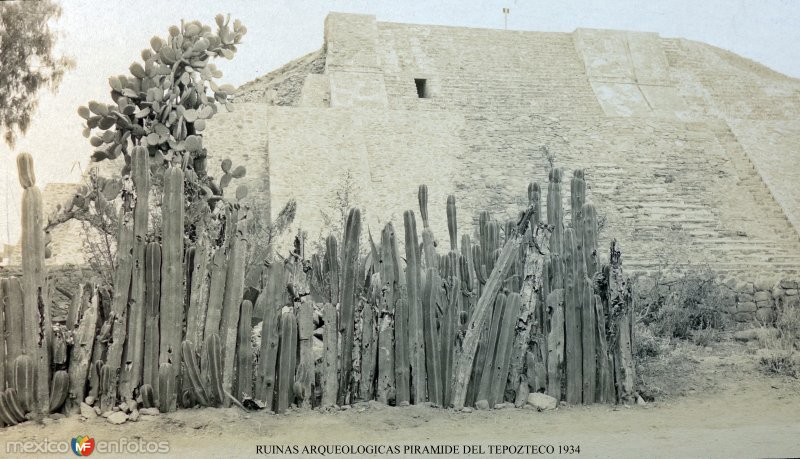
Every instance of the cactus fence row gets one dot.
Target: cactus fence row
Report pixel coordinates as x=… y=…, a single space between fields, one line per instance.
x=527 y=307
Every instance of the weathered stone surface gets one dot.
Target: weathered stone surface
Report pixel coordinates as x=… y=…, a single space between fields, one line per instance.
x=746 y=307
x=763 y=283
x=745 y=297
x=117 y=417
x=789 y=284
x=482 y=405
x=149 y=411
x=790 y=292
x=763 y=295
x=542 y=402
x=743 y=316
x=87 y=411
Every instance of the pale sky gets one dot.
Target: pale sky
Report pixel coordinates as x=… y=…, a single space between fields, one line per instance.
x=104 y=37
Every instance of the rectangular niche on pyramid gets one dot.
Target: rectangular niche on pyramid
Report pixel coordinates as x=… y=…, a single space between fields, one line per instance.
x=422 y=88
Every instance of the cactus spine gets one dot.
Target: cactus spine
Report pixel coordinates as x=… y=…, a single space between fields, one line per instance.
x=172 y=294
x=348 y=299
x=38 y=329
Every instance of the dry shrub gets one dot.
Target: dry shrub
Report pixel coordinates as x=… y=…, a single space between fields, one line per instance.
x=781 y=359
x=689 y=305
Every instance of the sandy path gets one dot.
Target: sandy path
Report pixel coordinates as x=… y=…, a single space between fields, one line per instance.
x=759 y=418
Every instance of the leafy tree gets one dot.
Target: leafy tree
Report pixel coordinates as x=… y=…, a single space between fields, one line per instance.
x=27 y=62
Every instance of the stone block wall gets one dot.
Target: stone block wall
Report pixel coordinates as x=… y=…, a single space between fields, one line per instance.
x=761 y=300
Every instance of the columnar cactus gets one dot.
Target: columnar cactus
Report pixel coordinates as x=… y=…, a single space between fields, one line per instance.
x=131 y=376
x=244 y=370
x=172 y=300
x=193 y=373
x=402 y=347
x=555 y=211
x=286 y=365
x=270 y=302
x=148 y=396
x=11 y=411
x=24 y=382
x=589 y=318
x=431 y=298
x=572 y=319
x=330 y=355
x=452 y=222
x=305 y=367
x=232 y=299
x=81 y=354
x=211 y=370
x=216 y=291
x=167 y=379
x=198 y=299
x=555 y=344
x=107 y=389
x=619 y=299
x=152 y=309
x=38 y=329
x=503 y=351
x=332 y=268
x=534 y=200
x=119 y=305
x=348 y=300
x=59 y=390
x=14 y=324
x=415 y=314
x=485 y=386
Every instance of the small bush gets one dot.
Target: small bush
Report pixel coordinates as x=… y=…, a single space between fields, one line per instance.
x=679 y=306
x=788 y=325
x=780 y=364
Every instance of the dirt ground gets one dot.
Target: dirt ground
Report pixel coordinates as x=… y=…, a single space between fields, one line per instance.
x=710 y=402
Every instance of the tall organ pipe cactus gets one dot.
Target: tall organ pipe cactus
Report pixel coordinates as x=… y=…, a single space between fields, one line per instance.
x=38 y=330
x=172 y=301
x=232 y=299
x=134 y=352
x=348 y=300
x=415 y=315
